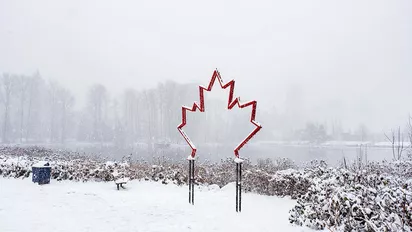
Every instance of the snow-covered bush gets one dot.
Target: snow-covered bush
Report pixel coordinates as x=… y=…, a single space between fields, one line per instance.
x=272 y=166
x=17 y=162
x=288 y=182
x=374 y=199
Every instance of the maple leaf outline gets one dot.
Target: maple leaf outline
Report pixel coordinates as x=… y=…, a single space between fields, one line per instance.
x=230 y=104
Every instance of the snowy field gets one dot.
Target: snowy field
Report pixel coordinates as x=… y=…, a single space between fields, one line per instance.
x=143 y=206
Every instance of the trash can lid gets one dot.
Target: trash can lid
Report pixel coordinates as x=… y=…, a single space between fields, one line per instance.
x=41 y=164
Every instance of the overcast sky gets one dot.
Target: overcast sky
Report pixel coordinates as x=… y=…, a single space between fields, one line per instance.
x=349 y=59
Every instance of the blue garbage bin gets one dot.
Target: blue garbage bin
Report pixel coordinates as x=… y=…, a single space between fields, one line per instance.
x=41 y=173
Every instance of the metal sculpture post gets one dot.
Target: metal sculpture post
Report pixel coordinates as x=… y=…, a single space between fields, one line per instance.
x=191 y=179
x=232 y=102
x=238 y=184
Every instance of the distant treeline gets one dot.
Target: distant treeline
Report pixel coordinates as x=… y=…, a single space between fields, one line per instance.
x=35 y=110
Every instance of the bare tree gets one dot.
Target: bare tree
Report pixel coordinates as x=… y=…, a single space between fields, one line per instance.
x=34 y=103
x=410 y=135
x=66 y=104
x=119 y=132
x=149 y=103
x=130 y=114
x=54 y=89
x=22 y=83
x=362 y=132
x=98 y=98
x=7 y=85
x=397 y=142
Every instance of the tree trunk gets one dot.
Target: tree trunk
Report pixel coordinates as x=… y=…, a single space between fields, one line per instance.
x=21 y=116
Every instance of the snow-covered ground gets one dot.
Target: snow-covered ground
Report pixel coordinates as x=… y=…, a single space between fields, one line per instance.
x=143 y=206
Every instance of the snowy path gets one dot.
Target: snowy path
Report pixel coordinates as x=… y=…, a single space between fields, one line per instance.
x=144 y=206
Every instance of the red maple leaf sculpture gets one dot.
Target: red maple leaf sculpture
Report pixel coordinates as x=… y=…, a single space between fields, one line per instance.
x=230 y=104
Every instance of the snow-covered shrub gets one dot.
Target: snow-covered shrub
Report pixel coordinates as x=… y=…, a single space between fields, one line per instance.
x=374 y=199
x=220 y=174
x=288 y=182
x=16 y=162
x=272 y=166
x=73 y=166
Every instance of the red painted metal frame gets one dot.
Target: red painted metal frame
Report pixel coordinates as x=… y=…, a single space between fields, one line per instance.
x=231 y=103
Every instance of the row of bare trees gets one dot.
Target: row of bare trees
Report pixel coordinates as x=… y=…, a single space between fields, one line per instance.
x=35 y=110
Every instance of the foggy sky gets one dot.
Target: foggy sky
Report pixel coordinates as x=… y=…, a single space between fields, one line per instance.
x=346 y=59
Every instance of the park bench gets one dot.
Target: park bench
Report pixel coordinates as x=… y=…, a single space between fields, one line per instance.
x=120 y=182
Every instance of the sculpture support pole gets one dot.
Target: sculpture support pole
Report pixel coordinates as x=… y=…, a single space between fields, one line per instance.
x=238 y=184
x=240 y=187
x=191 y=180
x=237 y=187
